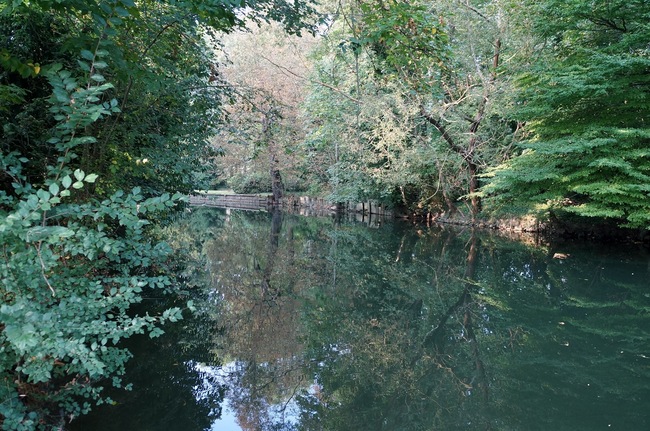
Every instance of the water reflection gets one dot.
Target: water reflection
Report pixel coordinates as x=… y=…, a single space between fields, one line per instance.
x=309 y=324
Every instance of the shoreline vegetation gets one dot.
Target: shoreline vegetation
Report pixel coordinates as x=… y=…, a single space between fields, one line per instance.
x=528 y=224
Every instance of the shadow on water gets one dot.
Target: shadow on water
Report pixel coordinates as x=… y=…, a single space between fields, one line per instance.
x=310 y=324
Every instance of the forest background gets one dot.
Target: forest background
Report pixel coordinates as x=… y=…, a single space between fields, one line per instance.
x=112 y=111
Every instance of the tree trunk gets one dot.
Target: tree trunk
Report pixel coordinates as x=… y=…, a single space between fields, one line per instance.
x=468 y=153
x=277 y=186
x=473 y=188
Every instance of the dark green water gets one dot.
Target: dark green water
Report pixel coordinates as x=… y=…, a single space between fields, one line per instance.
x=304 y=324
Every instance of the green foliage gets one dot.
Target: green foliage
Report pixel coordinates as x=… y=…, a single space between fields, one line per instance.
x=69 y=274
x=130 y=103
x=419 y=104
x=367 y=139
x=71 y=266
x=586 y=103
x=407 y=38
x=160 y=60
x=70 y=271
x=423 y=98
x=254 y=182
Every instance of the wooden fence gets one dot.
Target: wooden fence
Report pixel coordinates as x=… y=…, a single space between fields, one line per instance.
x=244 y=202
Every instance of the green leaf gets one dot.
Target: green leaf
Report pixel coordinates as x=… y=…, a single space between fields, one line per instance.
x=40 y=233
x=83 y=66
x=54 y=189
x=22 y=337
x=122 y=12
x=106 y=8
x=87 y=54
x=43 y=194
x=156 y=332
x=115 y=20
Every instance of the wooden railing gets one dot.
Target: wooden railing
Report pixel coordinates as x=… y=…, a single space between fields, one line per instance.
x=245 y=202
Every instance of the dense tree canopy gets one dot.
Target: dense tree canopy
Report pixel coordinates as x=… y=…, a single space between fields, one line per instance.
x=466 y=109
x=417 y=114
x=424 y=107
x=585 y=100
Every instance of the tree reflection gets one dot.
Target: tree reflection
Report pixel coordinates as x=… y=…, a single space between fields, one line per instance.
x=406 y=329
x=336 y=326
x=407 y=351
x=260 y=314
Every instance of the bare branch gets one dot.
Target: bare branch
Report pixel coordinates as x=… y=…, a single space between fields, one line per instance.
x=312 y=81
x=40 y=258
x=473 y=9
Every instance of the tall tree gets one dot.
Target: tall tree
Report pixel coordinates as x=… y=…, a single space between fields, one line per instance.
x=364 y=116
x=425 y=82
x=467 y=114
x=585 y=102
x=267 y=68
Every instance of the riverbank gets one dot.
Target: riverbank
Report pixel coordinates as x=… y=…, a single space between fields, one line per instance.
x=553 y=229
x=568 y=228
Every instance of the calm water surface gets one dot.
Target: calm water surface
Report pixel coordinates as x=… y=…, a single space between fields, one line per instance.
x=306 y=324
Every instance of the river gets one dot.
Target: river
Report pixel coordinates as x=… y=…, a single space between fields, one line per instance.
x=308 y=324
